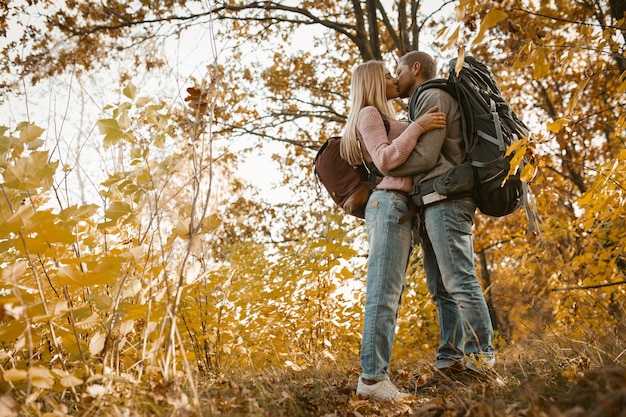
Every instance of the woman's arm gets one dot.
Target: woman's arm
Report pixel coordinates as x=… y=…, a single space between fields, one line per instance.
x=426 y=153
x=387 y=154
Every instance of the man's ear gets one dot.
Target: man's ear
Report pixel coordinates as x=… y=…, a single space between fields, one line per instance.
x=416 y=68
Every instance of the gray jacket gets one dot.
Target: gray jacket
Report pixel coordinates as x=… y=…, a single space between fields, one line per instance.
x=437 y=150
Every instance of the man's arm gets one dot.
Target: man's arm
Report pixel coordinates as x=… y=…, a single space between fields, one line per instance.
x=425 y=155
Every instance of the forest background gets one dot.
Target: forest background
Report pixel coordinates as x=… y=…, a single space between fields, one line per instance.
x=142 y=275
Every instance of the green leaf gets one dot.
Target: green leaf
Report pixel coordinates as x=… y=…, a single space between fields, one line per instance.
x=142 y=101
x=130 y=91
x=159 y=141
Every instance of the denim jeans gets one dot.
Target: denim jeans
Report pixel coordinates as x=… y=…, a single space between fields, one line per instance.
x=464 y=323
x=389 y=248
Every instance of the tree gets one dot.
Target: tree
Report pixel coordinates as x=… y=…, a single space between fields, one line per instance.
x=561 y=63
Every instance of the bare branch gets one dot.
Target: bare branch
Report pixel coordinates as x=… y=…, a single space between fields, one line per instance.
x=589 y=287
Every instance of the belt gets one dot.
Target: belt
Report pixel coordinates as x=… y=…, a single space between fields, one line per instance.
x=398 y=192
x=412 y=209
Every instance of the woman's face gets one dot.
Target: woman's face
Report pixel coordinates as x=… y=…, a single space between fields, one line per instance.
x=391 y=86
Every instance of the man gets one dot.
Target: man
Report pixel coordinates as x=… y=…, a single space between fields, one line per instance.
x=445 y=229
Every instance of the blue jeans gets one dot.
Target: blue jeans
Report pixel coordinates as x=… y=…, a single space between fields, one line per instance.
x=389 y=248
x=464 y=322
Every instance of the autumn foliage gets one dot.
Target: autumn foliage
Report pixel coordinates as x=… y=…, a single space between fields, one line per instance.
x=179 y=290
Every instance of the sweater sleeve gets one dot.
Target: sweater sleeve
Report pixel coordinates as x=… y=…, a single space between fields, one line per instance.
x=386 y=154
x=427 y=153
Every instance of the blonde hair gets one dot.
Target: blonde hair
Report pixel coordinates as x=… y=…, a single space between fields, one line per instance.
x=368 y=88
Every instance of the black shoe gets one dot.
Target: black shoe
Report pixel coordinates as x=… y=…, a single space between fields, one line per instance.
x=444 y=377
x=485 y=376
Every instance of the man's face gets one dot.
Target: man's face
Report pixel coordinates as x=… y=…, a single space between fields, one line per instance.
x=406 y=80
x=391 y=86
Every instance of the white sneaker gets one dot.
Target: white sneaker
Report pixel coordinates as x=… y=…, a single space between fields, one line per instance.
x=382 y=390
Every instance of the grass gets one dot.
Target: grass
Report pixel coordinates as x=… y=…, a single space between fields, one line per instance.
x=535 y=382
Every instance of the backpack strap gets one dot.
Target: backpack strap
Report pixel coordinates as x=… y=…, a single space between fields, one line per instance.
x=424 y=194
x=371 y=168
x=440 y=83
x=375 y=172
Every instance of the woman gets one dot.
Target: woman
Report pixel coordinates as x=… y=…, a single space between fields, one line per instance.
x=365 y=138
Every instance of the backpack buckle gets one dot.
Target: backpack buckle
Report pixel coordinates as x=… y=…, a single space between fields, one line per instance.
x=433 y=198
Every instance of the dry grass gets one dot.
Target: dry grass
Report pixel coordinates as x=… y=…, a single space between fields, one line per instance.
x=535 y=382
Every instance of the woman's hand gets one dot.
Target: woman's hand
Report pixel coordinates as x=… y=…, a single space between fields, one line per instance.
x=432 y=119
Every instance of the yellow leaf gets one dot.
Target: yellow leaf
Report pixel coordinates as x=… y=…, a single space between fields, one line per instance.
x=41 y=377
x=96 y=344
x=89 y=323
x=69 y=381
x=31 y=172
x=126 y=327
x=182 y=228
x=143 y=177
x=542 y=68
x=137 y=252
x=68 y=275
x=585 y=199
x=492 y=18
x=210 y=223
x=557 y=125
x=10 y=332
x=452 y=38
x=460 y=61
x=124 y=120
x=111 y=131
x=516 y=145
x=131 y=311
x=30 y=133
x=622 y=87
x=346 y=273
x=13 y=272
x=14 y=374
x=116 y=210
x=516 y=160
x=142 y=101
x=528 y=172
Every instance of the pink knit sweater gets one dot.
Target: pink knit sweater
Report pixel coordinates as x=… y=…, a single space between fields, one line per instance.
x=387 y=152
